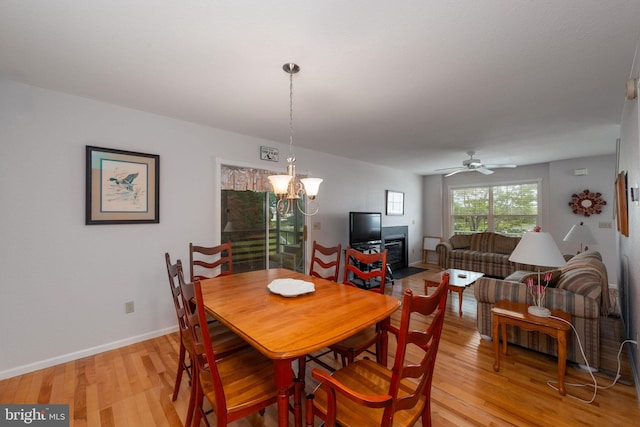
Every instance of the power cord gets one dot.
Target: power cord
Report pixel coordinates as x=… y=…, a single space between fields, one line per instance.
x=595 y=385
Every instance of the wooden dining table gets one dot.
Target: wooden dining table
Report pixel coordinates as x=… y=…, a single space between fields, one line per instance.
x=286 y=328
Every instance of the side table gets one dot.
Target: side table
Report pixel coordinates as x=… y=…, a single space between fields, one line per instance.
x=513 y=313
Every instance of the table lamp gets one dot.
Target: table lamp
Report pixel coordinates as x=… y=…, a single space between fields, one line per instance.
x=582 y=234
x=538 y=248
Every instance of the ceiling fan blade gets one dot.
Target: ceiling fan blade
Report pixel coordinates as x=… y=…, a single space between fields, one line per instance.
x=500 y=166
x=449 y=169
x=483 y=170
x=457 y=171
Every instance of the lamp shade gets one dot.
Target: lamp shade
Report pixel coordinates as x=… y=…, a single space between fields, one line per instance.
x=537 y=248
x=280 y=183
x=580 y=233
x=311 y=186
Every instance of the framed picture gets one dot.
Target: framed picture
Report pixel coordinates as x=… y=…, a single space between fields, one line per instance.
x=122 y=187
x=395 y=203
x=621 y=204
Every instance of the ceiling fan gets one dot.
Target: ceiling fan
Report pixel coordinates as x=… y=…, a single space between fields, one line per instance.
x=471 y=165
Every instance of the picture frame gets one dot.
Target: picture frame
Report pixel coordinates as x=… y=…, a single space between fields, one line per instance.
x=270 y=154
x=395 y=202
x=621 y=204
x=122 y=187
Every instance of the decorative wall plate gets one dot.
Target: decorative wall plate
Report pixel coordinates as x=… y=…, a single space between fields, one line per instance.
x=587 y=203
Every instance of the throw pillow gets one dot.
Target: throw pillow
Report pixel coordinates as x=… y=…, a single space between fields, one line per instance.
x=504 y=244
x=555 y=275
x=460 y=241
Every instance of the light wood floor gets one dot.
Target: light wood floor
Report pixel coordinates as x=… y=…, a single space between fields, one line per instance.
x=131 y=386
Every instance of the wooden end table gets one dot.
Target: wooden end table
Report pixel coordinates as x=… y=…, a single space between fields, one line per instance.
x=513 y=313
x=459 y=280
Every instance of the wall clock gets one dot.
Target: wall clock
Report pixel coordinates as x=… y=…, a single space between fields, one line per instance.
x=587 y=203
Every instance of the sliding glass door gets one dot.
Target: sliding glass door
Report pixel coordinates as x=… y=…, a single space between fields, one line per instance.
x=249 y=219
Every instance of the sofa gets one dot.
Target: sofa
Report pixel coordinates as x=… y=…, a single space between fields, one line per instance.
x=580 y=288
x=486 y=253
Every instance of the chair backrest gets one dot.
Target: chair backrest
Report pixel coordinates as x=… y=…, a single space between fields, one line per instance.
x=210 y=261
x=325 y=261
x=196 y=318
x=176 y=293
x=361 y=269
x=424 y=341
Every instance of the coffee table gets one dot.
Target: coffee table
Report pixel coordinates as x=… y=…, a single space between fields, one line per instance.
x=514 y=313
x=459 y=280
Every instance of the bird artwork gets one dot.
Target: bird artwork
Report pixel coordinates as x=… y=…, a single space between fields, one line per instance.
x=127 y=182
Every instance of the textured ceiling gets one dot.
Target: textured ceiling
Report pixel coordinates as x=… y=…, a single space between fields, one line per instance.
x=411 y=84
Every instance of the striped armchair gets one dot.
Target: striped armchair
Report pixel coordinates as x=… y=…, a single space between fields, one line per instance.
x=581 y=290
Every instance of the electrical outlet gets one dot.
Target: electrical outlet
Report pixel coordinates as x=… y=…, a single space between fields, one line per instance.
x=128 y=307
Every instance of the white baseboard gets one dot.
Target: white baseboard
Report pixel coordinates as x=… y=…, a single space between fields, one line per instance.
x=20 y=370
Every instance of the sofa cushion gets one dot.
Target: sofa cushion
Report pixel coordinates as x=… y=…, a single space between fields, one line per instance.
x=482 y=242
x=504 y=244
x=460 y=241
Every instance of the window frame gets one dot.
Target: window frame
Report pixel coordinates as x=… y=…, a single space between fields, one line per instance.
x=490 y=226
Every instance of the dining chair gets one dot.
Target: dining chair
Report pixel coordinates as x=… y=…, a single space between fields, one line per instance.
x=210 y=261
x=365 y=393
x=368 y=271
x=224 y=338
x=325 y=264
x=325 y=261
x=236 y=385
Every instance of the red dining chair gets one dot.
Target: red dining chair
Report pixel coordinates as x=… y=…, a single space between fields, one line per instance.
x=325 y=264
x=210 y=261
x=368 y=271
x=224 y=338
x=236 y=385
x=365 y=393
x=325 y=261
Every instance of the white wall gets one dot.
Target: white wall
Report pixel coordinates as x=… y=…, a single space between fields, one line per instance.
x=600 y=178
x=65 y=284
x=558 y=184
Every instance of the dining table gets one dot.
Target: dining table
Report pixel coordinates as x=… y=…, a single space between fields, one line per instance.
x=285 y=326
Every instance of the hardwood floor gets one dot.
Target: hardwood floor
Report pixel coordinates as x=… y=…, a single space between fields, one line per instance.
x=132 y=386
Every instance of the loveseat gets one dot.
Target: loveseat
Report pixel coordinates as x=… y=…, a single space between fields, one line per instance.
x=486 y=253
x=580 y=288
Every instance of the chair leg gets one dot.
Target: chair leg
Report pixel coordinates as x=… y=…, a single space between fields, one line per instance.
x=198 y=412
x=302 y=368
x=426 y=414
x=297 y=401
x=176 y=387
x=193 y=397
x=309 y=411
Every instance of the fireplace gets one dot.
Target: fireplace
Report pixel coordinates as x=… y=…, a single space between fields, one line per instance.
x=395 y=242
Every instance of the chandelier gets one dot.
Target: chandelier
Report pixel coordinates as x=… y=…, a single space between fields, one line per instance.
x=290 y=188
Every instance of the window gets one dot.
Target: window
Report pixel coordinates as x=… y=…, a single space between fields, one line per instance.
x=509 y=209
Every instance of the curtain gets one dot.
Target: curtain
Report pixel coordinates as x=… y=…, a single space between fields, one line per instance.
x=243 y=179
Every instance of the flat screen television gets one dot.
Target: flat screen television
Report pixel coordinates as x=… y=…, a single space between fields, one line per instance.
x=365 y=228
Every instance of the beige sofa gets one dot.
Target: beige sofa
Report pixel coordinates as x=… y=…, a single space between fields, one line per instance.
x=487 y=253
x=580 y=289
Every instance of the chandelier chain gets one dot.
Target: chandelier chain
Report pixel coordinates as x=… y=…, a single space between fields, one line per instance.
x=290 y=114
